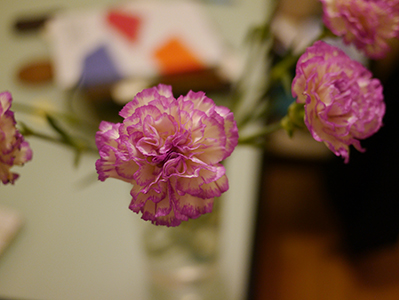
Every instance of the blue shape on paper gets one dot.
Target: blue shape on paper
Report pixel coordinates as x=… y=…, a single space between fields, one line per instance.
x=99 y=69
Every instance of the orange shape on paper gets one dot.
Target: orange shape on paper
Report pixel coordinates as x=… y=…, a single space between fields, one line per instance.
x=173 y=57
x=127 y=25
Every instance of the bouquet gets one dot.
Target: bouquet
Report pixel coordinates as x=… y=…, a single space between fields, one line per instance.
x=171 y=149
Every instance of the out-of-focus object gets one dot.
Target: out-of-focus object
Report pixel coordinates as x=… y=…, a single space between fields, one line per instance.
x=218 y=1
x=296 y=24
x=299 y=11
x=36 y=72
x=140 y=39
x=10 y=223
x=31 y=23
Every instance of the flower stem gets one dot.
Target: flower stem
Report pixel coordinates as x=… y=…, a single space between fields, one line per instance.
x=262 y=132
x=280 y=69
x=78 y=145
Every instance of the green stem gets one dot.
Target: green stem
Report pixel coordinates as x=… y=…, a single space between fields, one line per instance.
x=260 y=133
x=79 y=146
x=280 y=69
x=256 y=39
x=37 y=111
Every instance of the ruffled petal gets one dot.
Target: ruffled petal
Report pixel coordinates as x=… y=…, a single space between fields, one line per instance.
x=170 y=150
x=366 y=24
x=343 y=103
x=201 y=184
x=14 y=150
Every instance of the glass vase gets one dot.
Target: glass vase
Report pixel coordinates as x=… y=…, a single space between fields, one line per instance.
x=183 y=261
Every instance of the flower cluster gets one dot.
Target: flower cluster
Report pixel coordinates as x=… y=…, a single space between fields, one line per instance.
x=14 y=150
x=368 y=24
x=342 y=102
x=170 y=150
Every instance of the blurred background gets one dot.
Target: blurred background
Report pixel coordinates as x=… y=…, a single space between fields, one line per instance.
x=325 y=229
x=299 y=224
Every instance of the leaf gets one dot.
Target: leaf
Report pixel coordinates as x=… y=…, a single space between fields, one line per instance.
x=65 y=137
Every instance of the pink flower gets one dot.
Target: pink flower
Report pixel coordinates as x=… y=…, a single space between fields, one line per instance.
x=170 y=150
x=14 y=150
x=343 y=103
x=368 y=24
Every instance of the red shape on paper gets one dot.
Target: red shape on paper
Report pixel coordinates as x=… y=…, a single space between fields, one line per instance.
x=126 y=24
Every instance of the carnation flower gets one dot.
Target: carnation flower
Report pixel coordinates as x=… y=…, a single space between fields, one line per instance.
x=342 y=102
x=14 y=150
x=368 y=24
x=170 y=150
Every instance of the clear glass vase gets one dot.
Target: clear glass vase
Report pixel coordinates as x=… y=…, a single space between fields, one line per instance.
x=183 y=261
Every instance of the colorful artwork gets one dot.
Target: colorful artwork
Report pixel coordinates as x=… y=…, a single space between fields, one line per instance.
x=138 y=39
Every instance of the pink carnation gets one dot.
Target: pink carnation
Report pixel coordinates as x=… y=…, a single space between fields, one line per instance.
x=368 y=24
x=170 y=150
x=343 y=103
x=14 y=150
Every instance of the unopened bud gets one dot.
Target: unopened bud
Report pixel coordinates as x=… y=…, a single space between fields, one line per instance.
x=294 y=118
